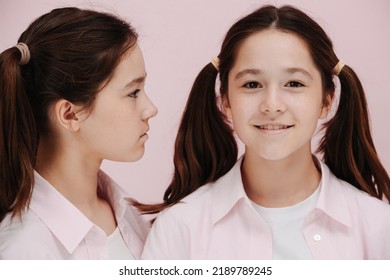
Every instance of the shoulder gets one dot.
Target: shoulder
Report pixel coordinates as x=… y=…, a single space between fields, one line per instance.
x=187 y=217
x=180 y=224
x=210 y=201
x=370 y=220
x=368 y=211
x=24 y=237
x=357 y=200
x=189 y=209
x=364 y=201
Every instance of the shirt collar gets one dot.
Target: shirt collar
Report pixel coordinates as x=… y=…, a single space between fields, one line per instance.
x=331 y=201
x=65 y=220
x=115 y=195
x=227 y=191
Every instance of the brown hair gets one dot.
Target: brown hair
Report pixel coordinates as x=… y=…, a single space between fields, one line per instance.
x=73 y=54
x=205 y=148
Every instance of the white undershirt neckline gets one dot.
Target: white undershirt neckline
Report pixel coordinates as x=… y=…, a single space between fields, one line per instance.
x=286 y=227
x=116 y=247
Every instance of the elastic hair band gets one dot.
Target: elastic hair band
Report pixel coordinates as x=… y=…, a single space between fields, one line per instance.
x=25 y=53
x=337 y=69
x=215 y=62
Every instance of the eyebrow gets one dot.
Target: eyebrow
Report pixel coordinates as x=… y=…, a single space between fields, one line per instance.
x=251 y=71
x=136 y=81
x=254 y=71
x=293 y=70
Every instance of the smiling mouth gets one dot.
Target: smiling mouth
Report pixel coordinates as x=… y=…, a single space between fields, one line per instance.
x=273 y=127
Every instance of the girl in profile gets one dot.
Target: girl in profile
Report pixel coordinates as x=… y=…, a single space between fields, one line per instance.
x=71 y=95
x=276 y=70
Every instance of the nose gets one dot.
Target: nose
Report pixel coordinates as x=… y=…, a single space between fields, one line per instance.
x=272 y=101
x=150 y=110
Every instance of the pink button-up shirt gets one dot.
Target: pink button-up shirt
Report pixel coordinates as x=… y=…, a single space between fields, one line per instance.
x=53 y=228
x=218 y=222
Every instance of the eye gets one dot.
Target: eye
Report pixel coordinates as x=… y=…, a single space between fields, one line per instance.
x=295 y=84
x=252 y=85
x=134 y=94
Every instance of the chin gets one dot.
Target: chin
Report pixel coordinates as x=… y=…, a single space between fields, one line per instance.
x=128 y=157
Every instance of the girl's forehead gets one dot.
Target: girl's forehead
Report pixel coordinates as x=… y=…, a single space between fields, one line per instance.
x=273 y=46
x=272 y=40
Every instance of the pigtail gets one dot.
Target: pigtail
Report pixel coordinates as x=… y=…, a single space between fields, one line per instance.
x=18 y=143
x=347 y=145
x=205 y=148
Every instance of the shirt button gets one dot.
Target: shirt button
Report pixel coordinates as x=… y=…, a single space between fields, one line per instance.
x=317 y=237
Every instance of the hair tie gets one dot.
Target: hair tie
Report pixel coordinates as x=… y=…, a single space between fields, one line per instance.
x=25 y=53
x=215 y=62
x=339 y=66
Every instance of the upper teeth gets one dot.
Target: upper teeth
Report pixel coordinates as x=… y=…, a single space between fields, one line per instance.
x=272 y=127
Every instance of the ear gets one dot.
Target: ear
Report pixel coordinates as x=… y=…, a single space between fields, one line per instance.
x=326 y=105
x=65 y=115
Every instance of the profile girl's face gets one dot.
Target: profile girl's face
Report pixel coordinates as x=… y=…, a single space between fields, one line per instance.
x=117 y=127
x=274 y=95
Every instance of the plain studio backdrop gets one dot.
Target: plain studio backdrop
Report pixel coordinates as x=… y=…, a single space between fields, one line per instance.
x=179 y=37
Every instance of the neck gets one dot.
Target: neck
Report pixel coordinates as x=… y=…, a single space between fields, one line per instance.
x=71 y=173
x=279 y=183
x=75 y=175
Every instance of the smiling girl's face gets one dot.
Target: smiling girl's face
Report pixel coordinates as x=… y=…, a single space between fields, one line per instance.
x=275 y=95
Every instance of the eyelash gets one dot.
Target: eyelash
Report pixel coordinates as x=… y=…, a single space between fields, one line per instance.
x=134 y=94
x=296 y=84
x=293 y=84
x=251 y=85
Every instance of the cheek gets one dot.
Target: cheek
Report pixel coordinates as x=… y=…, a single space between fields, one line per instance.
x=240 y=117
x=109 y=121
x=311 y=104
x=116 y=112
x=320 y=110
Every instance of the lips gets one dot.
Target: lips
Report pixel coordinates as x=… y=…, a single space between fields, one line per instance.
x=273 y=126
x=145 y=133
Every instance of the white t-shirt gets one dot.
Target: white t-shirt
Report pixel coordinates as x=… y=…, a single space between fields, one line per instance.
x=116 y=247
x=286 y=223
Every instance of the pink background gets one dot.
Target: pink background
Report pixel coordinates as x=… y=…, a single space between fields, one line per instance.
x=179 y=37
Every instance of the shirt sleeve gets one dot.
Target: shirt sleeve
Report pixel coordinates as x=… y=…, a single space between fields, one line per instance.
x=378 y=235
x=168 y=239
